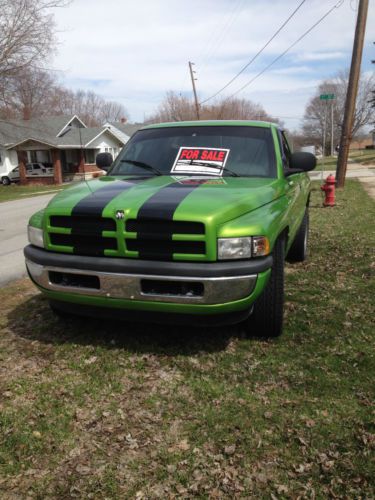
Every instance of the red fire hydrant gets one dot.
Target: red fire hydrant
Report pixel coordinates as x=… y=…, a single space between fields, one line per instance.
x=329 y=188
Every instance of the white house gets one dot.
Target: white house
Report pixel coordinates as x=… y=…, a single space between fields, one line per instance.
x=61 y=142
x=123 y=130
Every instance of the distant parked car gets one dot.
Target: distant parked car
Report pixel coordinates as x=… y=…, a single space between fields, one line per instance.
x=38 y=169
x=12 y=176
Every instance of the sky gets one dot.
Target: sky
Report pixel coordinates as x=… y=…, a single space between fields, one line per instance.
x=134 y=52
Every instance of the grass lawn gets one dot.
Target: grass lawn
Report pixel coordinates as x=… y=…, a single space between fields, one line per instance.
x=91 y=409
x=15 y=192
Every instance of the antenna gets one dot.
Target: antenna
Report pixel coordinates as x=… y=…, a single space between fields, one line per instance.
x=80 y=158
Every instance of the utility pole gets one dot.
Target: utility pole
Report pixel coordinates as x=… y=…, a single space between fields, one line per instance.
x=332 y=148
x=194 y=89
x=326 y=98
x=351 y=95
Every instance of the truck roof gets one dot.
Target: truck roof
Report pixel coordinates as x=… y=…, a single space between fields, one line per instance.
x=212 y=123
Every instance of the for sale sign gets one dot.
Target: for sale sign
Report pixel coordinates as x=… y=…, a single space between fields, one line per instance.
x=205 y=161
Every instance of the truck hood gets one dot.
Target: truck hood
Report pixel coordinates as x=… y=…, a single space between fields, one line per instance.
x=212 y=200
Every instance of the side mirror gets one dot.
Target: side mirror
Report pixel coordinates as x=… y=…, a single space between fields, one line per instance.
x=302 y=161
x=104 y=160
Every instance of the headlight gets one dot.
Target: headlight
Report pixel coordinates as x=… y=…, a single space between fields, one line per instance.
x=234 y=248
x=242 y=248
x=35 y=236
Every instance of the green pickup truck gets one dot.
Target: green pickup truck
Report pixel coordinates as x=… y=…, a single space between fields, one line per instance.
x=192 y=224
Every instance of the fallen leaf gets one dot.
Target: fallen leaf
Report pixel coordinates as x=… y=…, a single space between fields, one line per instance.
x=90 y=361
x=83 y=470
x=281 y=488
x=183 y=445
x=229 y=450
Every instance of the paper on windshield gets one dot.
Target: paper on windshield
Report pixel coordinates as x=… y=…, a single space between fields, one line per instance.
x=205 y=161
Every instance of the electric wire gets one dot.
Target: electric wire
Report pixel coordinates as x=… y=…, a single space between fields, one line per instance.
x=258 y=53
x=336 y=6
x=223 y=33
x=213 y=41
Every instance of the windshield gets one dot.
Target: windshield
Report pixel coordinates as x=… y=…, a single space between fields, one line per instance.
x=197 y=150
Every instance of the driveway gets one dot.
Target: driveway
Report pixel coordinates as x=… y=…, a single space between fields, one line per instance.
x=13 y=234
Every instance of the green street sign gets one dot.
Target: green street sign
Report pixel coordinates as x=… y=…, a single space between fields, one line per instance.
x=326 y=97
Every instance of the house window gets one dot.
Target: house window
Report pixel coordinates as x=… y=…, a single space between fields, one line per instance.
x=90 y=155
x=112 y=151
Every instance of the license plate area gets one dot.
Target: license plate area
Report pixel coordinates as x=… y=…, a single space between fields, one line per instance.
x=172 y=288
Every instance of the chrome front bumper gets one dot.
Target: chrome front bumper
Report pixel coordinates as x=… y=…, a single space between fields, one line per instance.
x=211 y=290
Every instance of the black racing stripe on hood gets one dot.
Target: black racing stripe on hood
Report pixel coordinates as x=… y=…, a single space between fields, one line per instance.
x=94 y=203
x=162 y=206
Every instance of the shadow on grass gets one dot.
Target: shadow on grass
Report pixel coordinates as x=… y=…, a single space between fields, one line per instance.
x=33 y=320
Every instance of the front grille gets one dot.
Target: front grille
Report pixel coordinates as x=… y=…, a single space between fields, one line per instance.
x=86 y=234
x=150 y=226
x=87 y=224
x=154 y=238
x=160 y=248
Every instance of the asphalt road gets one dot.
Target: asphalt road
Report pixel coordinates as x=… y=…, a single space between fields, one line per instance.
x=14 y=216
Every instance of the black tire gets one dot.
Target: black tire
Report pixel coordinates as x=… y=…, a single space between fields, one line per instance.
x=5 y=181
x=298 y=250
x=267 y=318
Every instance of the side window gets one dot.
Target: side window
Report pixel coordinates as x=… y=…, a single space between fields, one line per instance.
x=285 y=150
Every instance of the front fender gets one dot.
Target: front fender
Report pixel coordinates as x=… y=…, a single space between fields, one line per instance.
x=269 y=220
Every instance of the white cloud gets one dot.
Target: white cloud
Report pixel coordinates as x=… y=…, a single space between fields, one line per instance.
x=320 y=56
x=135 y=51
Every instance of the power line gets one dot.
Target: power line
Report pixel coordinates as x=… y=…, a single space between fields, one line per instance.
x=257 y=54
x=215 y=42
x=336 y=6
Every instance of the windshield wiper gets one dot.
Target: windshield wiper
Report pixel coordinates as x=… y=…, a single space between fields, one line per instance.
x=212 y=164
x=141 y=164
x=231 y=172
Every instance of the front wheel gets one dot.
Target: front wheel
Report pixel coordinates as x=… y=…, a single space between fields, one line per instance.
x=5 y=181
x=267 y=318
x=298 y=249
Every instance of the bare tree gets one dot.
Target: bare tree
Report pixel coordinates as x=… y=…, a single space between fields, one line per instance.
x=27 y=93
x=173 y=108
x=236 y=109
x=35 y=92
x=318 y=112
x=26 y=90
x=93 y=109
x=112 y=111
x=26 y=33
x=178 y=108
